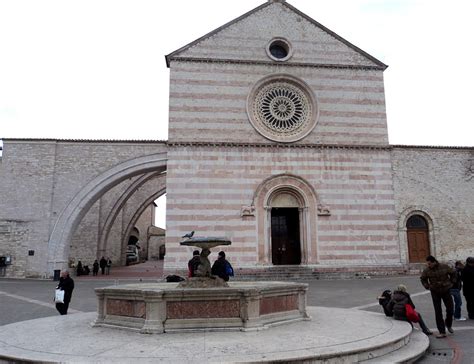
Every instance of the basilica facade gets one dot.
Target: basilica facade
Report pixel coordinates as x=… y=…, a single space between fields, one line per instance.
x=277 y=140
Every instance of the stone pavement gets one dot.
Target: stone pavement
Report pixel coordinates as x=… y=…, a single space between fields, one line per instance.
x=318 y=339
x=148 y=269
x=28 y=299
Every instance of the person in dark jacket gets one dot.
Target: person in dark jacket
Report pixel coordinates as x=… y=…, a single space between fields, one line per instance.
x=66 y=284
x=95 y=268
x=456 y=291
x=439 y=278
x=193 y=264
x=399 y=299
x=108 y=265
x=103 y=264
x=79 y=269
x=467 y=276
x=384 y=300
x=219 y=268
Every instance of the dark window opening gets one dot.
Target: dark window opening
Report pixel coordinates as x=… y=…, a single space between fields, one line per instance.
x=278 y=50
x=417 y=222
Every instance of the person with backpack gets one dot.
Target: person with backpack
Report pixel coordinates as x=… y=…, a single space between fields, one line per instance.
x=222 y=268
x=398 y=307
x=193 y=264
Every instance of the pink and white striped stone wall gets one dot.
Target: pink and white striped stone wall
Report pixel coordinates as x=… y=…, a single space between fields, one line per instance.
x=208 y=103
x=208 y=185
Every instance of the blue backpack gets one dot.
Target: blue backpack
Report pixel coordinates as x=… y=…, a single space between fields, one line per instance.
x=228 y=269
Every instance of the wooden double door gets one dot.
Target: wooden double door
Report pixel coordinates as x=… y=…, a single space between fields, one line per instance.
x=285 y=229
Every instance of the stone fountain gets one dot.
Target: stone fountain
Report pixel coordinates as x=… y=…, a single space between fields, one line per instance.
x=204 y=278
x=202 y=303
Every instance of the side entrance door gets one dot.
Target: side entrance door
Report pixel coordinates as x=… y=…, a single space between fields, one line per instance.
x=418 y=239
x=286 y=248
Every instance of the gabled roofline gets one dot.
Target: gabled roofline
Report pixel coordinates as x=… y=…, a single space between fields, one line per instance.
x=170 y=56
x=215 y=31
x=337 y=36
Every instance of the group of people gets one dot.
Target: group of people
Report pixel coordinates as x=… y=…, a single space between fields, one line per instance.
x=445 y=284
x=221 y=267
x=104 y=264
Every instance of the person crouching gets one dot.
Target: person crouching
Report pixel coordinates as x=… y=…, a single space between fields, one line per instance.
x=397 y=305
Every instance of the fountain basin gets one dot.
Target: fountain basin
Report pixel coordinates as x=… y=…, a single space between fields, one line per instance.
x=155 y=308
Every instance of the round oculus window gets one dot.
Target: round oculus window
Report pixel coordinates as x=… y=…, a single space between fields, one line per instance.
x=282 y=108
x=279 y=49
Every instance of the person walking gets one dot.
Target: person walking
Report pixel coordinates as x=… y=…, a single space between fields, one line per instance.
x=103 y=264
x=456 y=291
x=439 y=278
x=222 y=268
x=193 y=264
x=95 y=268
x=66 y=284
x=107 y=266
x=467 y=276
x=397 y=306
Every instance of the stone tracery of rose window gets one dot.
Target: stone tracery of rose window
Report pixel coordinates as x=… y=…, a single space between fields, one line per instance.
x=282 y=108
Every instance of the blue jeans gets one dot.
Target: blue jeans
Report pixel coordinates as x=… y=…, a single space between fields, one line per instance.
x=456 y=293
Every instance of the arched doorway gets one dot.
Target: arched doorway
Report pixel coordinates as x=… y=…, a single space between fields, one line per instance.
x=418 y=239
x=285 y=228
x=271 y=199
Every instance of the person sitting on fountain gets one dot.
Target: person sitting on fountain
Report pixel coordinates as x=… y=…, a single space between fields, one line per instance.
x=222 y=268
x=193 y=264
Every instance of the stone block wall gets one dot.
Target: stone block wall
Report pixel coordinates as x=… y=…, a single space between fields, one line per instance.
x=439 y=182
x=38 y=178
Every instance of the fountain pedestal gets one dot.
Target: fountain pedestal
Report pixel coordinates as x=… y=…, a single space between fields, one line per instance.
x=165 y=307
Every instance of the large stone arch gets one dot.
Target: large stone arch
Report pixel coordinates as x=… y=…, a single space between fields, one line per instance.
x=307 y=197
x=402 y=229
x=70 y=217
x=119 y=204
x=136 y=215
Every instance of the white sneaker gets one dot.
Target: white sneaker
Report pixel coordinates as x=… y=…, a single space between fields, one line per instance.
x=460 y=319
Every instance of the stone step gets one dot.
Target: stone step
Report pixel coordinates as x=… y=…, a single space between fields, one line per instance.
x=410 y=353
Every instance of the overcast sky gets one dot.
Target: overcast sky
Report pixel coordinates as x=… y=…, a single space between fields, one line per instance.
x=96 y=69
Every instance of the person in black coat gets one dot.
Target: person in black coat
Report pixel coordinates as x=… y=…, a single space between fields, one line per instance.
x=193 y=263
x=220 y=267
x=397 y=306
x=467 y=276
x=66 y=284
x=103 y=264
x=79 y=269
x=95 y=268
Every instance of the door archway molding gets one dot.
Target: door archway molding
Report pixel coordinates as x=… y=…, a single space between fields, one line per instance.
x=307 y=199
x=402 y=230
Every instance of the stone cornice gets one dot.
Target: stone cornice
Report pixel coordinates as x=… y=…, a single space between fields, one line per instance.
x=86 y=141
x=272 y=63
x=401 y=146
x=275 y=145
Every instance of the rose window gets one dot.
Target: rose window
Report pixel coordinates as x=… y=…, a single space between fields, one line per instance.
x=282 y=109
